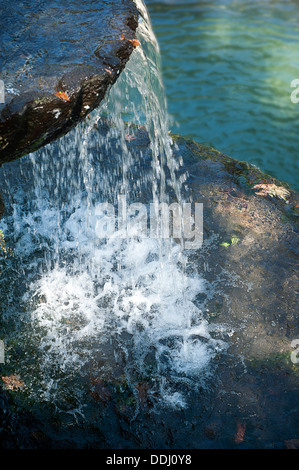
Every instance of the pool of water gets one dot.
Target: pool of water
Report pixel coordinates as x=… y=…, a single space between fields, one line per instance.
x=227 y=68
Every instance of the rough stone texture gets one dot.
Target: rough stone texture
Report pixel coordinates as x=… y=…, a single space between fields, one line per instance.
x=250 y=248
x=49 y=47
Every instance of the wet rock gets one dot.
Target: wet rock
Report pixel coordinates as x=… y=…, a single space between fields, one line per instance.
x=46 y=48
x=292 y=444
x=100 y=391
x=249 y=251
x=249 y=262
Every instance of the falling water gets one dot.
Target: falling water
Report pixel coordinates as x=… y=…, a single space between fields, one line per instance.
x=122 y=308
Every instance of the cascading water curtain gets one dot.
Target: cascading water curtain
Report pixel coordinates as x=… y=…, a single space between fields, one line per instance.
x=118 y=307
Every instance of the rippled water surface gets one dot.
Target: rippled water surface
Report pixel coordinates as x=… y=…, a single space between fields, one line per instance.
x=227 y=68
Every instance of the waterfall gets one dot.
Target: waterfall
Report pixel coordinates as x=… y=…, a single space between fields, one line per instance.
x=80 y=305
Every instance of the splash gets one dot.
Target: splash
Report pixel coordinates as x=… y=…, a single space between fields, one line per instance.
x=121 y=308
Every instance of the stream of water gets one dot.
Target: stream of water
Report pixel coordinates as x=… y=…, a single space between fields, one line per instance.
x=80 y=306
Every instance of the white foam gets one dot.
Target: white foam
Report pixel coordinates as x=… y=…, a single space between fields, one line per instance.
x=107 y=288
x=132 y=292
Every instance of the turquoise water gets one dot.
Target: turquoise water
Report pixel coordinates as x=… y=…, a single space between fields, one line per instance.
x=227 y=68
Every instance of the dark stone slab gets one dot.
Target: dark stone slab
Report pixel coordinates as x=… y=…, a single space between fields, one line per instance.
x=250 y=242
x=51 y=46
